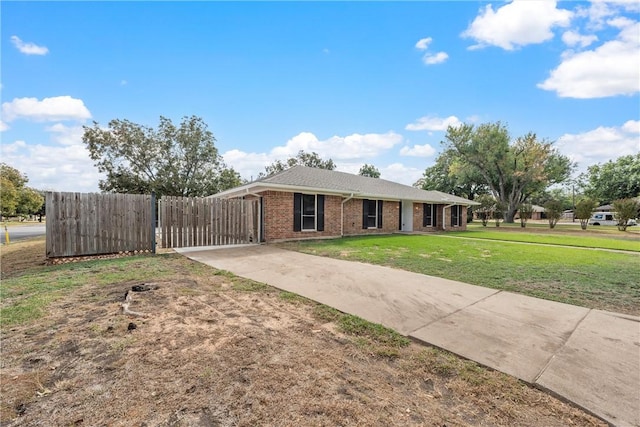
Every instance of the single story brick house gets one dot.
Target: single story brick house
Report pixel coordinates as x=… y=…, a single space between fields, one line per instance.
x=303 y=202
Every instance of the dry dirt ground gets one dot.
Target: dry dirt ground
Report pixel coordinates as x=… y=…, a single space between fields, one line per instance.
x=213 y=350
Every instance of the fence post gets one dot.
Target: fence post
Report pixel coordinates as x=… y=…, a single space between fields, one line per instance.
x=153 y=222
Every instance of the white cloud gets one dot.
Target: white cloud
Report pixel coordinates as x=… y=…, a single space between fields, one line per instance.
x=438 y=58
x=60 y=168
x=3 y=126
x=403 y=174
x=517 y=24
x=601 y=144
x=354 y=146
x=343 y=150
x=66 y=135
x=608 y=70
x=433 y=123
x=423 y=44
x=573 y=38
x=28 y=48
x=430 y=58
x=418 y=151
x=49 y=109
x=632 y=126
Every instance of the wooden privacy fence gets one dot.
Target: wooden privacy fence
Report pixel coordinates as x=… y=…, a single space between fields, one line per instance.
x=91 y=224
x=188 y=221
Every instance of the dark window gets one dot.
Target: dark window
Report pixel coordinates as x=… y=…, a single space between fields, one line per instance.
x=371 y=213
x=428 y=214
x=308 y=212
x=456 y=216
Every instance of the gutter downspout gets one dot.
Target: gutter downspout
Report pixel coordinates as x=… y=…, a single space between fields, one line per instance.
x=444 y=220
x=342 y=214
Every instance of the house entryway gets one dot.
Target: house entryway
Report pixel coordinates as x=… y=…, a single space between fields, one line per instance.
x=407 y=215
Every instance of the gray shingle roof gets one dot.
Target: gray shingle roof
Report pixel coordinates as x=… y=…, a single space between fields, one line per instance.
x=302 y=178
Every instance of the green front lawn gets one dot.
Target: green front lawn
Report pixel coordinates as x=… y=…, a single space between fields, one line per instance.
x=590 y=278
x=623 y=241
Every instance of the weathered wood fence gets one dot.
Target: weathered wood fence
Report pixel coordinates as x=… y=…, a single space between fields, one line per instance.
x=188 y=221
x=92 y=224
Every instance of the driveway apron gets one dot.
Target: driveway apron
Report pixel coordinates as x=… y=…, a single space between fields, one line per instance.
x=589 y=357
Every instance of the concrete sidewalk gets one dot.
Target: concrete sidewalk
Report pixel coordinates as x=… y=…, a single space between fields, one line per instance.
x=589 y=357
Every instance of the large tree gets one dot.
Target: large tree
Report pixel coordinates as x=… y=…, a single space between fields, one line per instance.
x=170 y=160
x=369 y=170
x=449 y=175
x=15 y=196
x=615 y=179
x=512 y=170
x=312 y=160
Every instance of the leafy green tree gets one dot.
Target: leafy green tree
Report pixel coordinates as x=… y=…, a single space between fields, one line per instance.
x=512 y=170
x=449 y=175
x=526 y=212
x=30 y=201
x=15 y=196
x=312 y=160
x=615 y=179
x=584 y=210
x=486 y=208
x=625 y=209
x=170 y=160
x=553 y=210
x=9 y=197
x=369 y=170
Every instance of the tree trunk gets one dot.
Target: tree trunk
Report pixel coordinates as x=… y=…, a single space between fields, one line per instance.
x=510 y=214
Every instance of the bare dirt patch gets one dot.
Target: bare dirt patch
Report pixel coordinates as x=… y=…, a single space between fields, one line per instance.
x=213 y=350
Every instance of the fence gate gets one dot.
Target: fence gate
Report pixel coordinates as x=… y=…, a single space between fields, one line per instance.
x=92 y=224
x=190 y=221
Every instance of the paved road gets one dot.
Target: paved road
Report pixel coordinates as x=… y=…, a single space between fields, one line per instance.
x=20 y=232
x=589 y=357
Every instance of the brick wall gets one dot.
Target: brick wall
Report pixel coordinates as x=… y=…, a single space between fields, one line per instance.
x=418 y=212
x=353 y=218
x=278 y=218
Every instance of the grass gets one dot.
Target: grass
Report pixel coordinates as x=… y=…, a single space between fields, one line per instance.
x=596 y=279
x=26 y=291
x=560 y=237
x=25 y=296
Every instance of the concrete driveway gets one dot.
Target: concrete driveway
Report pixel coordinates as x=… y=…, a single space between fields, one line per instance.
x=589 y=357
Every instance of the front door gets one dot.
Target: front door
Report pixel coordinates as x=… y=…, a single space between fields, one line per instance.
x=407 y=215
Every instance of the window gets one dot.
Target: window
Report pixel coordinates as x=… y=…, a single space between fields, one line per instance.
x=308 y=212
x=456 y=216
x=371 y=213
x=428 y=215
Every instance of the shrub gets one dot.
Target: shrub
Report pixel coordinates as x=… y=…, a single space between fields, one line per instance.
x=526 y=212
x=584 y=210
x=553 y=209
x=486 y=208
x=625 y=209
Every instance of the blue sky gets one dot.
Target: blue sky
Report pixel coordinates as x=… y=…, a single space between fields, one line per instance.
x=358 y=82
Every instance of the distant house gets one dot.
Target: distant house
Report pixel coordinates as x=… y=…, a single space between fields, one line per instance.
x=537 y=214
x=303 y=202
x=604 y=208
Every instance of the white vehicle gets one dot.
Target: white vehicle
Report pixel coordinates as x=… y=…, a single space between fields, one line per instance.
x=607 y=218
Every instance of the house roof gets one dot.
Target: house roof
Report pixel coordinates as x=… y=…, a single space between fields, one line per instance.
x=306 y=179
